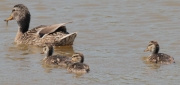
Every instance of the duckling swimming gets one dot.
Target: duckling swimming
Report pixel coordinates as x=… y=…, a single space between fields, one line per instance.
x=55 y=34
x=78 y=67
x=156 y=57
x=51 y=59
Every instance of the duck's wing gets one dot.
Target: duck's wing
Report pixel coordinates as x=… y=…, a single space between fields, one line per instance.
x=165 y=58
x=47 y=29
x=62 y=58
x=55 y=34
x=53 y=28
x=51 y=60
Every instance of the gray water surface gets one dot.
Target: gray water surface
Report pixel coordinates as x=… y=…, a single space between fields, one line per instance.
x=112 y=35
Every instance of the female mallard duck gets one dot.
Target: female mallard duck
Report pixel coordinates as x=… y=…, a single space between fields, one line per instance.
x=53 y=59
x=55 y=34
x=78 y=66
x=156 y=57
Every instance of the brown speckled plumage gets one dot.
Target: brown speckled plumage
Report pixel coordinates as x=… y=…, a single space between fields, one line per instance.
x=55 y=34
x=156 y=57
x=51 y=59
x=78 y=67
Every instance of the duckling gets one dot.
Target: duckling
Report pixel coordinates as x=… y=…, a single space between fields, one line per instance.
x=55 y=34
x=51 y=59
x=78 y=67
x=156 y=57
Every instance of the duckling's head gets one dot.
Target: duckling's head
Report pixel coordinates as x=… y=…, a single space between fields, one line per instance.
x=48 y=49
x=77 y=57
x=153 y=47
x=21 y=14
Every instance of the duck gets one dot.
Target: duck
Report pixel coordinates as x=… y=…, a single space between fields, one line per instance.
x=77 y=66
x=55 y=34
x=51 y=59
x=157 y=57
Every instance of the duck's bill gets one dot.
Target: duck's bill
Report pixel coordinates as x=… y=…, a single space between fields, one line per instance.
x=146 y=50
x=9 y=18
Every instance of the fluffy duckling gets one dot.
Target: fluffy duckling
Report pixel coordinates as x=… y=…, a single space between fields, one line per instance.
x=78 y=67
x=156 y=57
x=53 y=59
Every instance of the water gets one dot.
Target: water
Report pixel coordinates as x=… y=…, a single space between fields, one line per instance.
x=112 y=35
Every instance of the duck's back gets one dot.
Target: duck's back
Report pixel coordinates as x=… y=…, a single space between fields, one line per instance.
x=79 y=68
x=55 y=59
x=37 y=36
x=161 y=58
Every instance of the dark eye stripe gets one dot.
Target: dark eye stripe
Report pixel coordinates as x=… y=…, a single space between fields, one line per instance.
x=13 y=10
x=149 y=44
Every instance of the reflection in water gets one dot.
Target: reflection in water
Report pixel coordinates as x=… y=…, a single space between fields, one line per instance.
x=18 y=51
x=14 y=50
x=78 y=75
x=64 y=50
x=15 y=58
x=48 y=68
x=150 y=64
x=26 y=49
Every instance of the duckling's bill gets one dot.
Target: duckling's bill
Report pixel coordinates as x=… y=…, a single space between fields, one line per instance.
x=146 y=50
x=42 y=53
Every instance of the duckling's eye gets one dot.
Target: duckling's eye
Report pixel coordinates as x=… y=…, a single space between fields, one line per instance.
x=44 y=49
x=13 y=10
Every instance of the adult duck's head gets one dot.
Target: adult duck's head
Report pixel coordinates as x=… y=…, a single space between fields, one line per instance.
x=153 y=47
x=21 y=14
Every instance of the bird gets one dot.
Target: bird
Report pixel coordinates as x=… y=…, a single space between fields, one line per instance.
x=77 y=66
x=157 y=57
x=51 y=59
x=55 y=34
